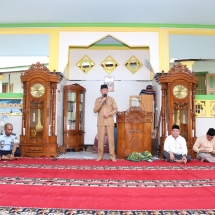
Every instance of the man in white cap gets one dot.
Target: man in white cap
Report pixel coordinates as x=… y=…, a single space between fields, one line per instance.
x=106 y=107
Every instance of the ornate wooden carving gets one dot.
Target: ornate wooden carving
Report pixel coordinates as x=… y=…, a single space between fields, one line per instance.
x=180 y=105
x=180 y=68
x=134 y=131
x=37 y=67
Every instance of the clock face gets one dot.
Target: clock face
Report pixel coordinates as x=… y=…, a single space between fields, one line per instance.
x=180 y=91
x=37 y=90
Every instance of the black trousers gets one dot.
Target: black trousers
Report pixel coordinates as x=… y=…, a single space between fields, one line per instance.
x=16 y=154
x=177 y=157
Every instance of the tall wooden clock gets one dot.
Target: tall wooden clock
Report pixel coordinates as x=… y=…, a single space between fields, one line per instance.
x=178 y=104
x=39 y=109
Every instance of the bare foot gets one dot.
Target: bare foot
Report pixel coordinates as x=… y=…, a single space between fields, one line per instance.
x=114 y=160
x=180 y=161
x=15 y=158
x=4 y=157
x=99 y=159
x=202 y=160
x=184 y=161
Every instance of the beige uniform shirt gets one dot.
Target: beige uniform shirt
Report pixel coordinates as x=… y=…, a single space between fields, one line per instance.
x=203 y=143
x=108 y=107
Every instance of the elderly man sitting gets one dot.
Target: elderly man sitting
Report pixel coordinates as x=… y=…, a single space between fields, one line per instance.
x=205 y=146
x=175 y=147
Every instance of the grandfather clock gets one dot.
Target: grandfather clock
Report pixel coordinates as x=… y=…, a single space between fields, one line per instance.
x=178 y=104
x=39 y=109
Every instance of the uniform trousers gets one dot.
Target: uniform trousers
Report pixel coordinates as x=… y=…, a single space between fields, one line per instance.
x=6 y=152
x=110 y=134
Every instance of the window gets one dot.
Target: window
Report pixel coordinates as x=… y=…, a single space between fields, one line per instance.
x=5 y=88
x=210 y=84
x=201 y=86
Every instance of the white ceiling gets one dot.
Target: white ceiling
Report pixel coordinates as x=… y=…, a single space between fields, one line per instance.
x=112 y=11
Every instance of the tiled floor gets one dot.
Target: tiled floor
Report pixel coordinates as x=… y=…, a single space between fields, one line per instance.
x=83 y=155
x=87 y=155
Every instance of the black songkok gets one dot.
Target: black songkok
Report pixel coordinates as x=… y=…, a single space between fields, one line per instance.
x=211 y=132
x=175 y=127
x=104 y=86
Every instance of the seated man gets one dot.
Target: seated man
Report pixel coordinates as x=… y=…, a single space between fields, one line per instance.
x=205 y=146
x=175 y=148
x=95 y=146
x=8 y=144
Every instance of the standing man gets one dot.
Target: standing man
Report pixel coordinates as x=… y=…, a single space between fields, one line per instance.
x=106 y=107
x=205 y=146
x=175 y=147
x=9 y=143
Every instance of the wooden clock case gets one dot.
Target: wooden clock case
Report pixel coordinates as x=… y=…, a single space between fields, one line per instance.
x=178 y=110
x=39 y=110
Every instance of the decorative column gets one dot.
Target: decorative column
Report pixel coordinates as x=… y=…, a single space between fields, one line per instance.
x=54 y=87
x=163 y=106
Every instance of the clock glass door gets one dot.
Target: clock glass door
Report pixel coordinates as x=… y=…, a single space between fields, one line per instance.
x=180 y=118
x=36 y=122
x=71 y=112
x=81 y=112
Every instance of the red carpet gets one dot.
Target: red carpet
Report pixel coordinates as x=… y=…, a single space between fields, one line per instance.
x=107 y=185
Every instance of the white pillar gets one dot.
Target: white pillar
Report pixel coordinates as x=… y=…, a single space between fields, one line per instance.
x=1 y=78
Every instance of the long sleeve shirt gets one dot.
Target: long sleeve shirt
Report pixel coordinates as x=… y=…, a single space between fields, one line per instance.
x=176 y=146
x=105 y=108
x=202 y=143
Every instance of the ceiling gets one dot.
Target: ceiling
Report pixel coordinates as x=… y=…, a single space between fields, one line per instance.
x=112 y=11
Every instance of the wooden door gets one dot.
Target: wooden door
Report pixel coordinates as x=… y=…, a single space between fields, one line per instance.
x=147 y=104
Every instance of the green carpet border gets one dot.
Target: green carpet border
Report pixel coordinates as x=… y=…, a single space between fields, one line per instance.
x=9 y=210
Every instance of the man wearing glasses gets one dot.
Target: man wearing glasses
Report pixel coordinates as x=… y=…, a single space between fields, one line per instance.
x=205 y=146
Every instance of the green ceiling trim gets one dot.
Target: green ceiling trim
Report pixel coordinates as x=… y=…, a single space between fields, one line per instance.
x=11 y=95
x=205 y=97
x=59 y=25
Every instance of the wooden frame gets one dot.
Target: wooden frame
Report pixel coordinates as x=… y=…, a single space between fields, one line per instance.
x=134 y=101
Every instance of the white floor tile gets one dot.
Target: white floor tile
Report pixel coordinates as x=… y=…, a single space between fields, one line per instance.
x=83 y=155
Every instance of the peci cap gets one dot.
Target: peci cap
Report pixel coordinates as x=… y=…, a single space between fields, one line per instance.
x=104 y=86
x=211 y=132
x=175 y=127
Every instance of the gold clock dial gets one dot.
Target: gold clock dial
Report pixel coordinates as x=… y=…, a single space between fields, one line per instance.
x=180 y=91
x=37 y=90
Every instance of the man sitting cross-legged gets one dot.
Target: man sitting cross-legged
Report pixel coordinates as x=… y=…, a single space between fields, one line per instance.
x=205 y=146
x=175 y=147
x=8 y=144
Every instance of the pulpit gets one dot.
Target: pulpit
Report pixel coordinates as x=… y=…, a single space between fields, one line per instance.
x=134 y=131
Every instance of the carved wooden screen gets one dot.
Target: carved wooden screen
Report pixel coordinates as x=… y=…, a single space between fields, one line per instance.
x=134 y=131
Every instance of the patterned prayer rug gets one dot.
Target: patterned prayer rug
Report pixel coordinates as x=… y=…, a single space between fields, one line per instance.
x=48 y=211
x=69 y=186
x=85 y=167
x=106 y=183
